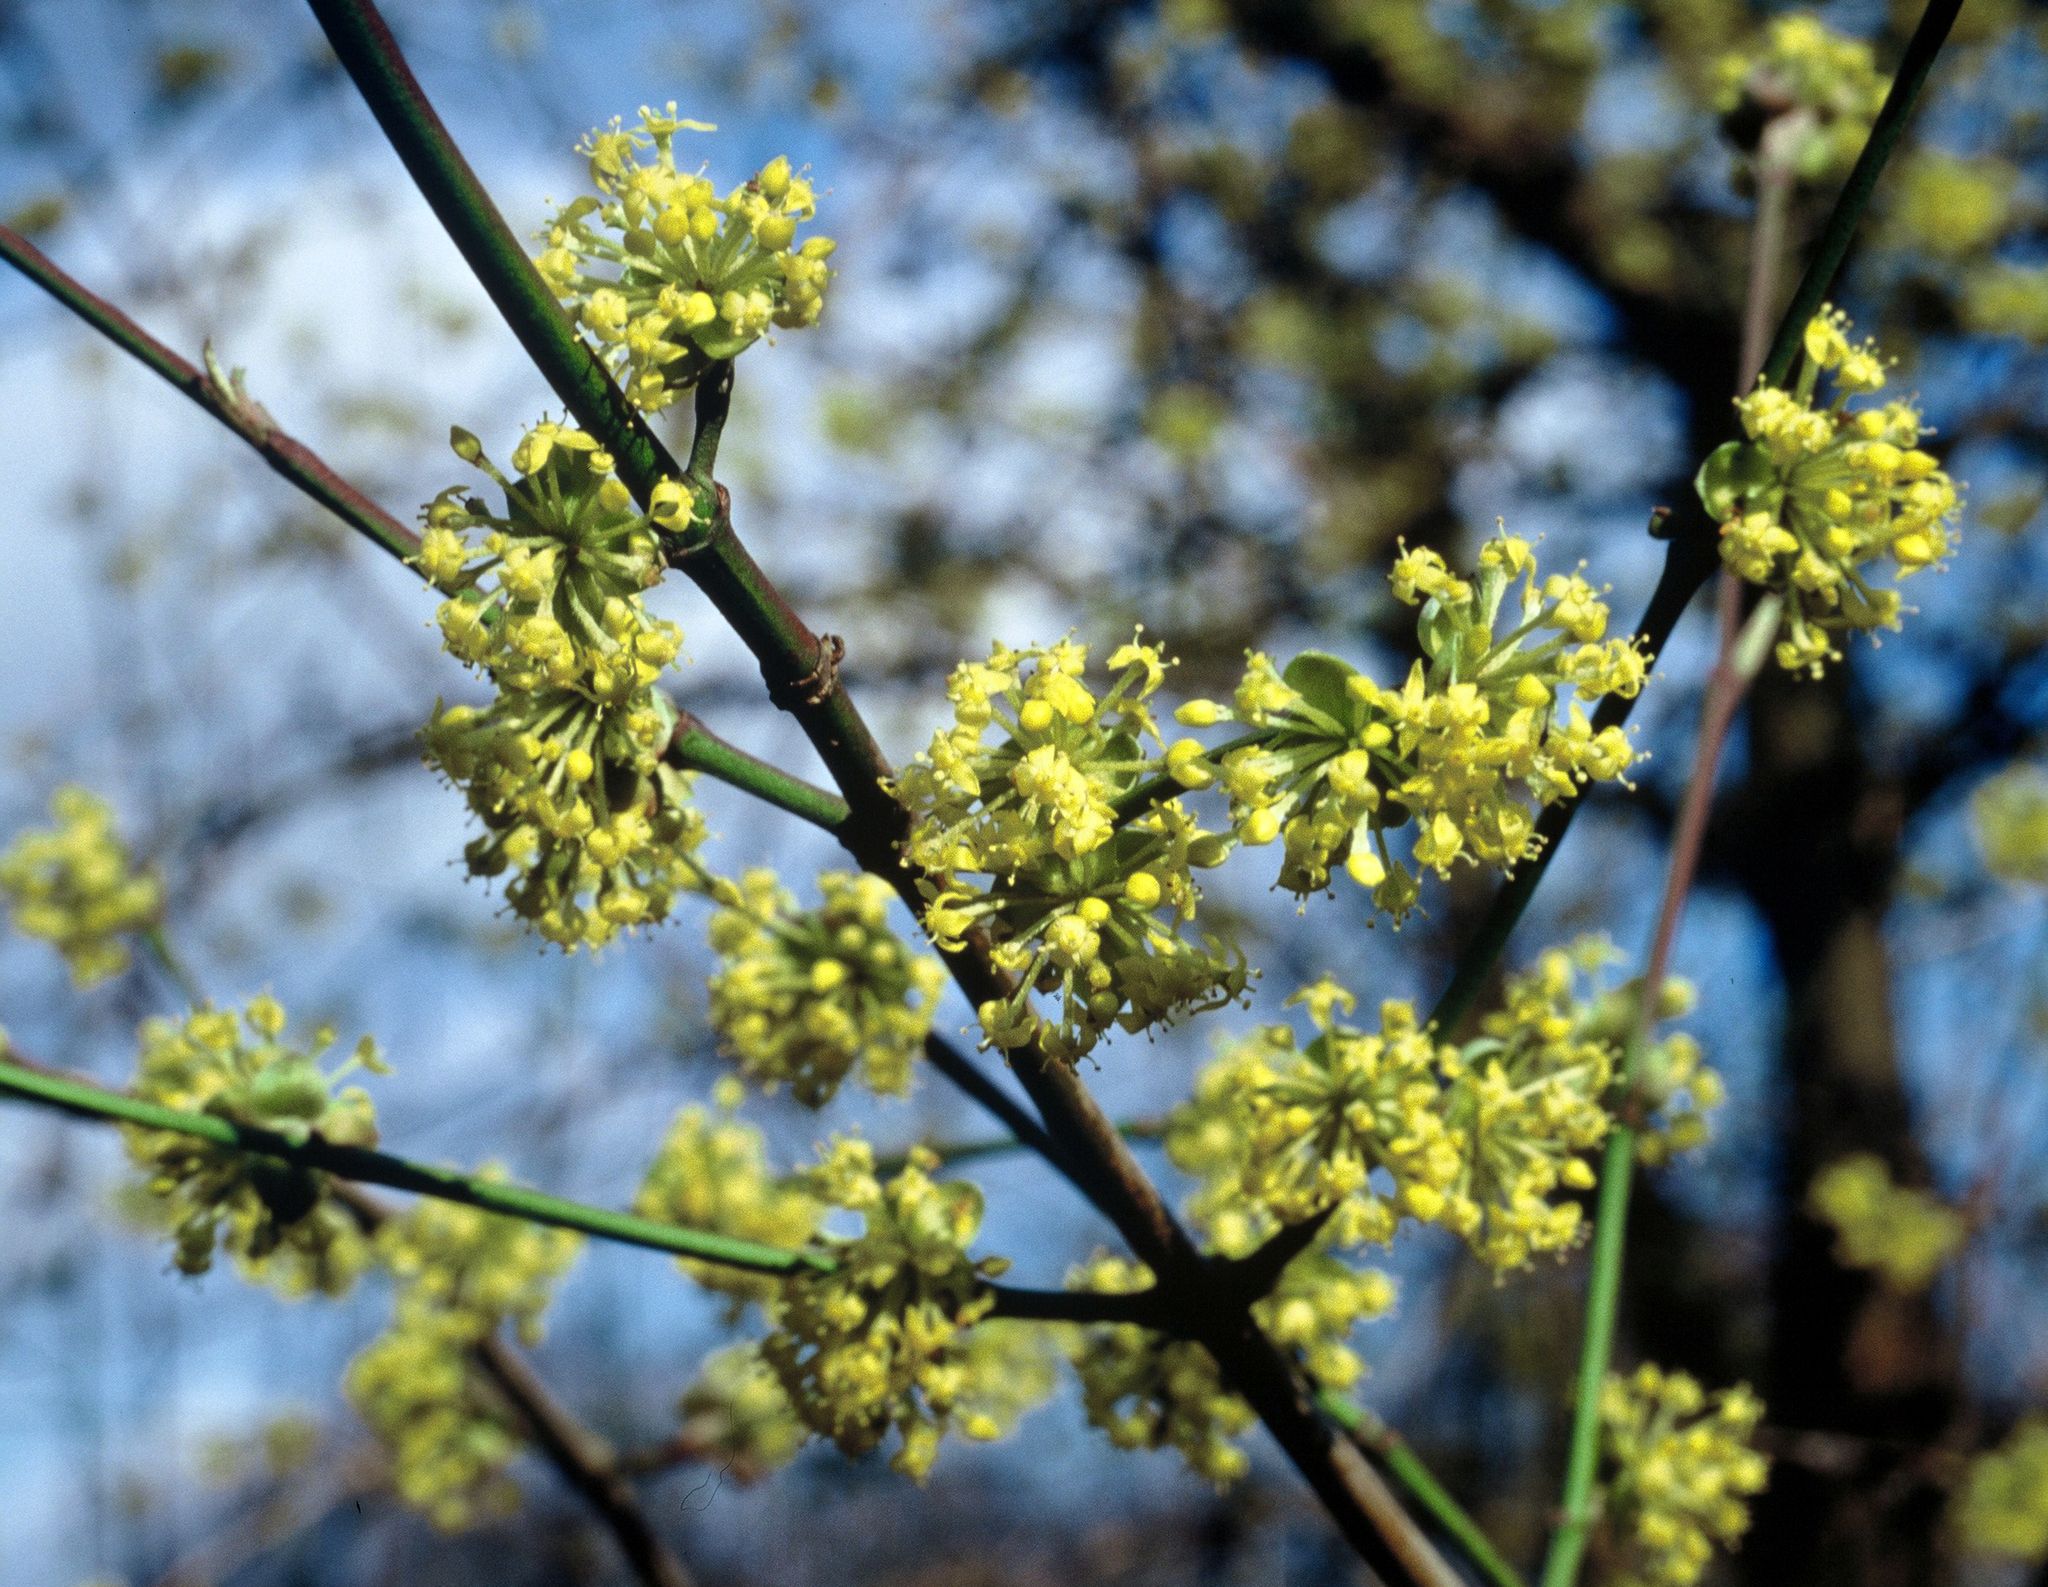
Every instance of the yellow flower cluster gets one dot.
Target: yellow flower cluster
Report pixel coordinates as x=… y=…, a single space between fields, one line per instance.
x=2003 y=1505
x=275 y=1219
x=1818 y=494
x=1680 y=1473
x=1478 y=729
x=736 y=1412
x=666 y=276
x=885 y=1340
x=801 y=996
x=460 y=1273
x=1487 y=1140
x=75 y=886
x=1149 y=1390
x=1828 y=89
x=1904 y=1236
x=1078 y=902
x=712 y=1173
x=2010 y=814
x=447 y=1436
x=481 y=1267
x=564 y=766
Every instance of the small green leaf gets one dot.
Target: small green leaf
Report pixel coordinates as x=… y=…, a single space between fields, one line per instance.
x=1735 y=474
x=1322 y=680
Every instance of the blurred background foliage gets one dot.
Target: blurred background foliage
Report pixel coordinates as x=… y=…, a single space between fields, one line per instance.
x=1181 y=314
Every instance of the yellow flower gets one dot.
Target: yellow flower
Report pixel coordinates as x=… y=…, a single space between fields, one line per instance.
x=2003 y=1505
x=1819 y=496
x=577 y=804
x=1485 y=727
x=885 y=1340
x=712 y=1174
x=76 y=887
x=801 y=996
x=665 y=274
x=548 y=593
x=274 y=1218
x=2010 y=813
x=1825 y=89
x=1680 y=1472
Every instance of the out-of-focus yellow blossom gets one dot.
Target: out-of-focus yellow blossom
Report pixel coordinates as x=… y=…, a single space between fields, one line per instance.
x=481 y=1267
x=712 y=1173
x=75 y=886
x=1817 y=495
x=2007 y=300
x=1680 y=1472
x=2010 y=814
x=1487 y=728
x=1905 y=1236
x=1488 y=1140
x=2002 y=1507
x=547 y=593
x=1149 y=1390
x=1949 y=206
x=1080 y=905
x=448 y=1437
x=668 y=277
x=460 y=1273
x=274 y=1218
x=736 y=1412
x=802 y=995
x=883 y=1341
x=1821 y=89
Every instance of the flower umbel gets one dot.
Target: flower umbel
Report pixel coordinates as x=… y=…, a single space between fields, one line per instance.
x=668 y=277
x=1478 y=735
x=1489 y=1139
x=1818 y=496
x=547 y=592
x=276 y=1219
x=1081 y=903
x=1681 y=1471
x=75 y=886
x=882 y=1341
x=803 y=995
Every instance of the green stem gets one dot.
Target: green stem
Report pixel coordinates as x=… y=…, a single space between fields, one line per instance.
x=1693 y=558
x=1421 y=1485
x=1603 y=1299
x=1743 y=654
x=364 y=1166
x=694 y=747
x=360 y=1165
x=714 y=406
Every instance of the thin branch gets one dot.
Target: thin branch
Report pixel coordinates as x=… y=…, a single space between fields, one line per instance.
x=80 y=1097
x=1693 y=557
x=28 y=1081
x=221 y=395
x=694 y=747
x=1421 y=1486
